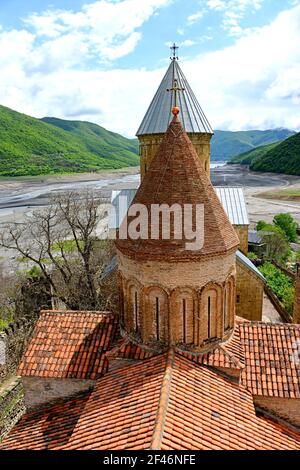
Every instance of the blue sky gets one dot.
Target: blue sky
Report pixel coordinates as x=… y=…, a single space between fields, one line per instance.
x=101 y=60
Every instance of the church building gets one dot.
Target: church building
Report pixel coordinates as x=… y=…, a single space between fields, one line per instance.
x=175 y=368
x=175 y=90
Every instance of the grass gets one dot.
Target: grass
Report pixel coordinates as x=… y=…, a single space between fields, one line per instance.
x=292 y=194
x=33 y=147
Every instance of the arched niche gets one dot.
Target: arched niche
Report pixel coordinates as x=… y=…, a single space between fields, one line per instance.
x=121 y=283
x=155 y=314
x=132 y=310
x=229 y=302
x=210 y=324
x=182 y=315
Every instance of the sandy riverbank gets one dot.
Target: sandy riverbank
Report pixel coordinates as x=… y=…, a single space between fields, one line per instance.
x=21 y=195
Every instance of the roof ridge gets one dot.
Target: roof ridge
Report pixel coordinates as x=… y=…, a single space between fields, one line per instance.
x=231 y=355
x=163 y=403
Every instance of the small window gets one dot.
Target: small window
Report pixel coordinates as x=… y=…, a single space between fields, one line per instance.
x=184 y=320
x=209 y=316
x=157 y=317
x=136 y=311
x=225 y=310
x=238 y=298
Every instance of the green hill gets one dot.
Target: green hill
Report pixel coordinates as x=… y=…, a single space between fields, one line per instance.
x=30 y=146
x=226 y=144
x=248 y=157
x=283 y=158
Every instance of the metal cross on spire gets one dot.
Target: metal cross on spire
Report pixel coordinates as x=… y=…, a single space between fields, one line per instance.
x=174 y=49
x=175 y=90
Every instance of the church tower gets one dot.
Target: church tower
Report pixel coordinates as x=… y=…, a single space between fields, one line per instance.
x=172 y=294
x=159 y=115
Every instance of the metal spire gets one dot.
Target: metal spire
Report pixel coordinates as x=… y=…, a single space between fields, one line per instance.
x=159 y=114
x=174 y=49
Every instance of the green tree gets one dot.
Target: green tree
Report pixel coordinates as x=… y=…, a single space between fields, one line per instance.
x=261 y=225
x=252 y=256
x=288 y=225
x=281 y=284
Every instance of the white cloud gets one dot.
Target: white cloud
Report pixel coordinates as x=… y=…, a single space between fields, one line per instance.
x=252 y=84
x=106 y=28
x=195 y=17
x=234 y=12
x=187 y=43
x=180 y=31
x=255 y=82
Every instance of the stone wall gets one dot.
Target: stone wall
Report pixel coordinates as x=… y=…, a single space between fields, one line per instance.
x=242 y=232
x=149 y=145
x=13 y=341
x=12 y=405
x=296 y=313
x=249 y=294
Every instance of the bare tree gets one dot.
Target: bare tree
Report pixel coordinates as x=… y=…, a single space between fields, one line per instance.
x=61 y=240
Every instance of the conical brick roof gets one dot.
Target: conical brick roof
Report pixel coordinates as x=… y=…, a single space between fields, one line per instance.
x=176 y=176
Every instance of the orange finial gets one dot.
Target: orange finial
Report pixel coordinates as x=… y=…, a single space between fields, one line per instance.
x=175 y=110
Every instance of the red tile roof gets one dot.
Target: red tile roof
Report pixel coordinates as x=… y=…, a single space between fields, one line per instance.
x=166 y=402
x=271 y=358
x=69 y=344
x=176 y=176
x=48 y=428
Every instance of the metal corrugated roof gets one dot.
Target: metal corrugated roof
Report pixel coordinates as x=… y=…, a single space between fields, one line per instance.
x=233 y=201
x=159 y=113
x=248 y=263
x=254 y=237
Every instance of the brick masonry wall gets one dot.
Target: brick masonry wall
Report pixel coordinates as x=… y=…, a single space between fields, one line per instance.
x=285 y=408
x=249 y=294
x=149 y=145
x=12 y=405
x=170 y=283
x=193 y=274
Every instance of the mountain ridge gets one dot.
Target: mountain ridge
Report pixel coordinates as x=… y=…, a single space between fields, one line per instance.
x=31 y=146
x=281 y=157
x=227 y=144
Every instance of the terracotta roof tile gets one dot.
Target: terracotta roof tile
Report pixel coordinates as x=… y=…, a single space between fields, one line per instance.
x=176 y=176
x=48 y=428
x=272 y=362
x=69 y=344
x=166 y=402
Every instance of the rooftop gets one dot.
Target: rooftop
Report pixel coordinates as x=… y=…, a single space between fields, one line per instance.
x=165 y=402
x=69 y=345
x=176 y=176
x=234 y=203
x=159 y=113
